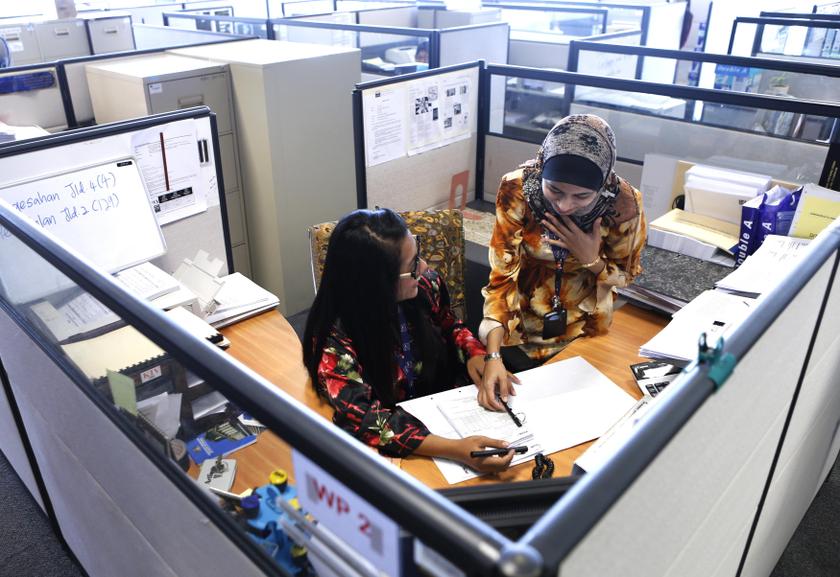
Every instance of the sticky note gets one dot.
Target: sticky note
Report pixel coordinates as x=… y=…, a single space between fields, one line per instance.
x=122 y=389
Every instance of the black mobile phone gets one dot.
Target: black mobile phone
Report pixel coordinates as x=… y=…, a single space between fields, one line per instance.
x=554 y=323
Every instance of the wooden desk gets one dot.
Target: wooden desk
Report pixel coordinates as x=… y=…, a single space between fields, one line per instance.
x=269 y=346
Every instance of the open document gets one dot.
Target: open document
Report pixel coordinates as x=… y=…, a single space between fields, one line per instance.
x=560 y=405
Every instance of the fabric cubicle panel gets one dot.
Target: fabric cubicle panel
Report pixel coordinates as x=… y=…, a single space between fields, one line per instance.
x=117 y=511
x=700 y=494
x=28 y=106
x=402 y=16
x=539 y=54
x=810 y=446
x=423 y=180
x=206 y=230
x=488 y=42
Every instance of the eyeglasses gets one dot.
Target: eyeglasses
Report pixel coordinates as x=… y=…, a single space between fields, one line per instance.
x=413 y=274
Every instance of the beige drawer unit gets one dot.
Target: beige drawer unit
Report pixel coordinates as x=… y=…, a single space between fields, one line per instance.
x=22 y=40
x=144 y=84
x=294 y=114
x=62 y=38
x=110 y=33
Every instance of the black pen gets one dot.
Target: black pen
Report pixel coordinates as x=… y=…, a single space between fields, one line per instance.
x=498 y=452
x=516 y=420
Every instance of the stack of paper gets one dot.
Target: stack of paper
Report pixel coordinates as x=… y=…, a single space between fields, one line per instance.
x=703 y=229
x=689 y=246
x=238 y=299
x=765 y=268
x=715 y=313
x=719 y=193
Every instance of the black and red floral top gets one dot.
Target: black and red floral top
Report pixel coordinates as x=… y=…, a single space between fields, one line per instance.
x=357 y=409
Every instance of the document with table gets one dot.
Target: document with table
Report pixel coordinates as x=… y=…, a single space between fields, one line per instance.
x=559 y=405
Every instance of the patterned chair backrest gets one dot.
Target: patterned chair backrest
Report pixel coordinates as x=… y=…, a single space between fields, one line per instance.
x=441 y=234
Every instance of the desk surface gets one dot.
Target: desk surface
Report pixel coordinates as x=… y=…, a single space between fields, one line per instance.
x=268 y=345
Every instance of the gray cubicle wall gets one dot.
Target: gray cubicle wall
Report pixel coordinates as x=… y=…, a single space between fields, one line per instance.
x=416 y=177
x=648 y=118
x=555 y=54
x=32 y=95
x=488 y=42
x=148 y=37
x=723 y=493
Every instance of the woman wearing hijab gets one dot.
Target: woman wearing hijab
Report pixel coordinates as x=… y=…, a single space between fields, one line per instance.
x=568 y=231
x=381 y=331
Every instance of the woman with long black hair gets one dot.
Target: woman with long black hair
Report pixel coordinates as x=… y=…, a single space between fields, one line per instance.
x=381 y=331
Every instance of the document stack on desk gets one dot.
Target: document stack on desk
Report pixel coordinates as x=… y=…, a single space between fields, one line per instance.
x=765 y=268
x=713 y=312
x=238 y=299
x=695 y=235
x=559 y=405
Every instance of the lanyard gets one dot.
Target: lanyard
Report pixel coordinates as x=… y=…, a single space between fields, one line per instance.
x=406 y=358
x=560 y=255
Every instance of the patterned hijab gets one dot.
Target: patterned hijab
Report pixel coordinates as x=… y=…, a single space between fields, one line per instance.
x=586 y=136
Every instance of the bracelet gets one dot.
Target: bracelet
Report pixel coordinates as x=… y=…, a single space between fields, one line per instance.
x=589 y=264
x=491 y=356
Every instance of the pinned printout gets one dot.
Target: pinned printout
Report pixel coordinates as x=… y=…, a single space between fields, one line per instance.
x=385 y=119
x=439 y=112
x=169 y=157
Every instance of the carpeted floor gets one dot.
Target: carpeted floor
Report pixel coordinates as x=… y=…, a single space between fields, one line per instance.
x=28 y=546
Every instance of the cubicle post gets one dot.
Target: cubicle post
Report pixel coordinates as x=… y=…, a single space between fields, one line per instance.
x=66 y=100
x=645 y=25
x=359 y=138
x=434 y=49
x=759 y=35
x=481 y=129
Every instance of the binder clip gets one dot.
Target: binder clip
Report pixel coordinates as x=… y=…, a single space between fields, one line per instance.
x=720 y=364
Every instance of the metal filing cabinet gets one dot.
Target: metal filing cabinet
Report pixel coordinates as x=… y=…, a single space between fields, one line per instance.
x=62 y=38
x=110 y=33
x=151 y=83
x=294 y=113
x=22 y=40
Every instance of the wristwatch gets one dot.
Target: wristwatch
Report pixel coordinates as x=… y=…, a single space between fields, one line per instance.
x=491 y=356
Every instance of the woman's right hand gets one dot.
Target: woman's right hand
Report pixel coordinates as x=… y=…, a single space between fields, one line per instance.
x=495 y=380
x=491 y=464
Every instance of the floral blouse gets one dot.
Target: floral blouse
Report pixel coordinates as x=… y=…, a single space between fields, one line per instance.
x=357 y=410
x=522 y=265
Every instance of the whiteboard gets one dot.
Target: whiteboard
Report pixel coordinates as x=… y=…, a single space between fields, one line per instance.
x=101 y=211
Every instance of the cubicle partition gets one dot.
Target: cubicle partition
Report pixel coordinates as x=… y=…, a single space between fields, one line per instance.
x=148 y=37
x=391 y=51
x=735 y=447
x=417 y=138
x=663 y=17
x=804 y=40
x=719 y=71
x=32 y=95
x=238 y=25
x=757 y=133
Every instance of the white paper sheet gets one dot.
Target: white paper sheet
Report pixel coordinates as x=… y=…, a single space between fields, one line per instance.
x=385 y=119
x=562 y=404
x=169 y=162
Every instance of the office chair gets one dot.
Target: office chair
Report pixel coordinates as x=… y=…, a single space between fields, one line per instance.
x=441 y=234
x=5 y=54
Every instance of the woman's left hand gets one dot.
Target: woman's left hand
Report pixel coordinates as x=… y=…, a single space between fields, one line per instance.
x=584 y=246
x=491 y=380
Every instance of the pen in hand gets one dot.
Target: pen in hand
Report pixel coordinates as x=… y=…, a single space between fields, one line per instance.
x=513 y=416
x=498 y=452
